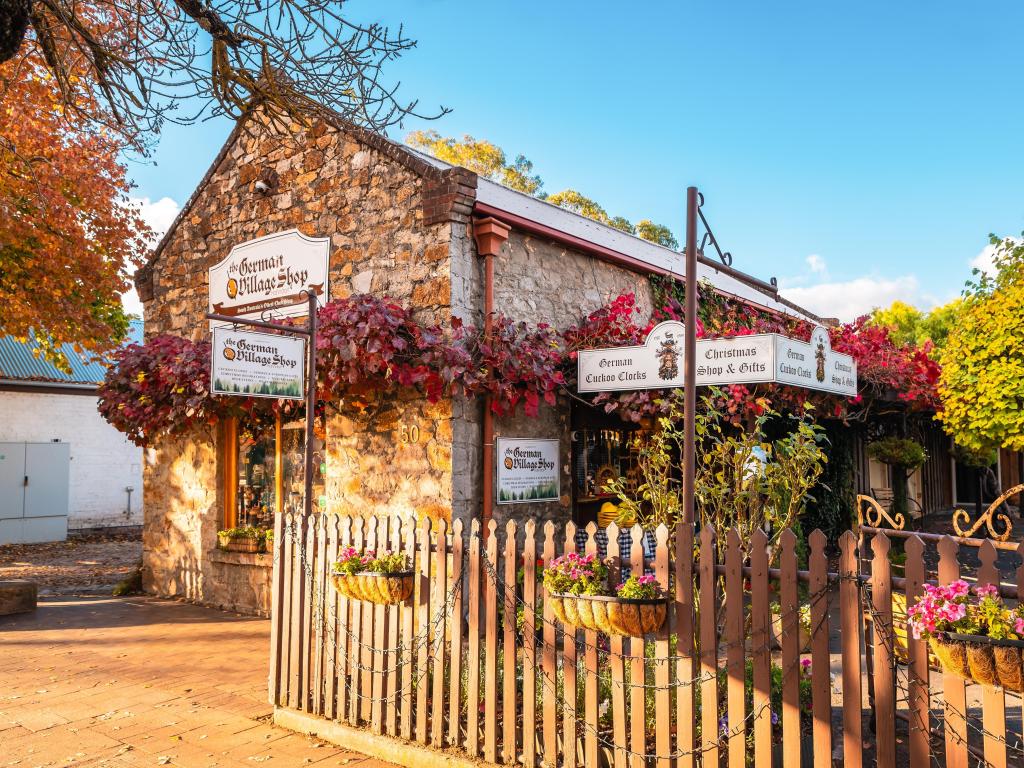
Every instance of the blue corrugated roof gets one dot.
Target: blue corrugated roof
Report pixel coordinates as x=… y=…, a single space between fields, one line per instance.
x=17 y=361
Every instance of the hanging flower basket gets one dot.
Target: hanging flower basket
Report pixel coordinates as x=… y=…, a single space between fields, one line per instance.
x=577 y=587
x=380 y=588
x=385 y=578
x=981 y=659
x=610 y=614
x=953 y=617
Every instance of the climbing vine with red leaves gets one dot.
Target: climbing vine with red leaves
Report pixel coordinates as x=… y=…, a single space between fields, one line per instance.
x=369 y=347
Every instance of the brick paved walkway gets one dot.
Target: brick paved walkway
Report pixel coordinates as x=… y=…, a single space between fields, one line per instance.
x=143 y=682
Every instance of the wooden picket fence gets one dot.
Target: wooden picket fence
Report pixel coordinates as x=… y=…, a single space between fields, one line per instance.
x=476 y=663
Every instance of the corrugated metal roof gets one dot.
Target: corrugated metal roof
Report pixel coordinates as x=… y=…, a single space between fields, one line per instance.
x=18 y=361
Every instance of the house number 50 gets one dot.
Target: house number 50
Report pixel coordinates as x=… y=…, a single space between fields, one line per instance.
x=409 y=434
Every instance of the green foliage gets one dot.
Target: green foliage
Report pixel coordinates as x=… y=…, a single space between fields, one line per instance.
x=656 y=233
x=982 y=381
x=898 y=451
x=480 y=156
x=574 y=574
x=389 y=562
x=643 y=587
x=130 y=584
x=830 y=508
x=909 y=325
x=978 y=459
x=243 y=532
x=745 y=480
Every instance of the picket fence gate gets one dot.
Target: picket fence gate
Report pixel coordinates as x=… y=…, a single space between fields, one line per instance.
x=475 y=662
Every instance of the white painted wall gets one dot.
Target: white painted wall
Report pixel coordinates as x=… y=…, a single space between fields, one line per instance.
x=103 y=461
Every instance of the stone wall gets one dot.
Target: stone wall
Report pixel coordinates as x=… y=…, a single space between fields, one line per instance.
x=390 y=220
x=535 y=280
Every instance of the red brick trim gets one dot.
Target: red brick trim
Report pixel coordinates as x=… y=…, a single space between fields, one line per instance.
x=450 y=197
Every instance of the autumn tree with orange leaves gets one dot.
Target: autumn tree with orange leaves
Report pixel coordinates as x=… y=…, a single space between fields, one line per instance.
x=68 y=236
x=81 y=81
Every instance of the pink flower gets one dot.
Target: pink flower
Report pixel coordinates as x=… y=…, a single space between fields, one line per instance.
x=986 y=590
x=1018 y=626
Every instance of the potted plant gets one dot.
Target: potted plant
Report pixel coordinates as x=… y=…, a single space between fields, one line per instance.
x=385 y=579
x=241 y=539
x=905 y=456
x=577 y=587
x=972 y=633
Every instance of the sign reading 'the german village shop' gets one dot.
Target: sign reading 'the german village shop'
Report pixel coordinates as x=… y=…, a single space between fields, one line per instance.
x=270 y=273
x=257 y=364
x=756 y=359
x=527 y=470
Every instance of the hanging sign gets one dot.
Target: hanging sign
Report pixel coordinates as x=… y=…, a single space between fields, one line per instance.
x=765 y=358
x=814 y=365
x=270 y=273
x=655 y=364
x=527 y=470
x=252 y=364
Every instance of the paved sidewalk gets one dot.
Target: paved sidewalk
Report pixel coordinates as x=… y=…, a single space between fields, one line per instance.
x=143 y=682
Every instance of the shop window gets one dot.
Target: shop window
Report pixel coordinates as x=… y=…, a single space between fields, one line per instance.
x=603 y=449
x=263 y=472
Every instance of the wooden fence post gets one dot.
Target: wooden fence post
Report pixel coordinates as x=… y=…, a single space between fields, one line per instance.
x=735 y=663
x=615 y=661
x=509 y=656
x=850 y=617
x=821 y=690
x=455 y=630
x=685 y=668
x=438 y=623
x=473 y=653
x=885 y=682
x=917 y=658
x=708 y=649
x=550 y=662
x=569 y=727
x=529 y=647
x=953 y=690
x=662 y=672
x=993 y=705
x=760 y=643
x=790 y=625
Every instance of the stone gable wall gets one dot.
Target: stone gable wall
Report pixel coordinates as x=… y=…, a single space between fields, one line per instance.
x=375 y=209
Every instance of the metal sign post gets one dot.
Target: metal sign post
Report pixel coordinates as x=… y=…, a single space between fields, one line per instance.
x=309 y=332
x=690 y=360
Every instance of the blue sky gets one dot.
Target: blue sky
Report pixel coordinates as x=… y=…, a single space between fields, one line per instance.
x=859 y=152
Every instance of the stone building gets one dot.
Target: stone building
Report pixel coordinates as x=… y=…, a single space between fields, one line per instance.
x=414 y=229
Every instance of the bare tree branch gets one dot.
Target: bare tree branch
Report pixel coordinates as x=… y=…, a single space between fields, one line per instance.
x=130 y=65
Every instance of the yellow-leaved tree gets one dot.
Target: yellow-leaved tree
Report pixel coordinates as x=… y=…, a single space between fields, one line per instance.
x=982 y=382
x=490 y=161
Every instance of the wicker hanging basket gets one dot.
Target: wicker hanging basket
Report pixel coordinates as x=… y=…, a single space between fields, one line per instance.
x=611 y=615
x=981 y=659
x=380 y=588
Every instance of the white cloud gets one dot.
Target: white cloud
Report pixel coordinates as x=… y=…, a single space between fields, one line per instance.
x=849 y=299
x=983 y=260
x=159 y=215
x=816 y=263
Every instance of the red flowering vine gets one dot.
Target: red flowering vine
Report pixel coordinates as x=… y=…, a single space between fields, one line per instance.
x=371 y=344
